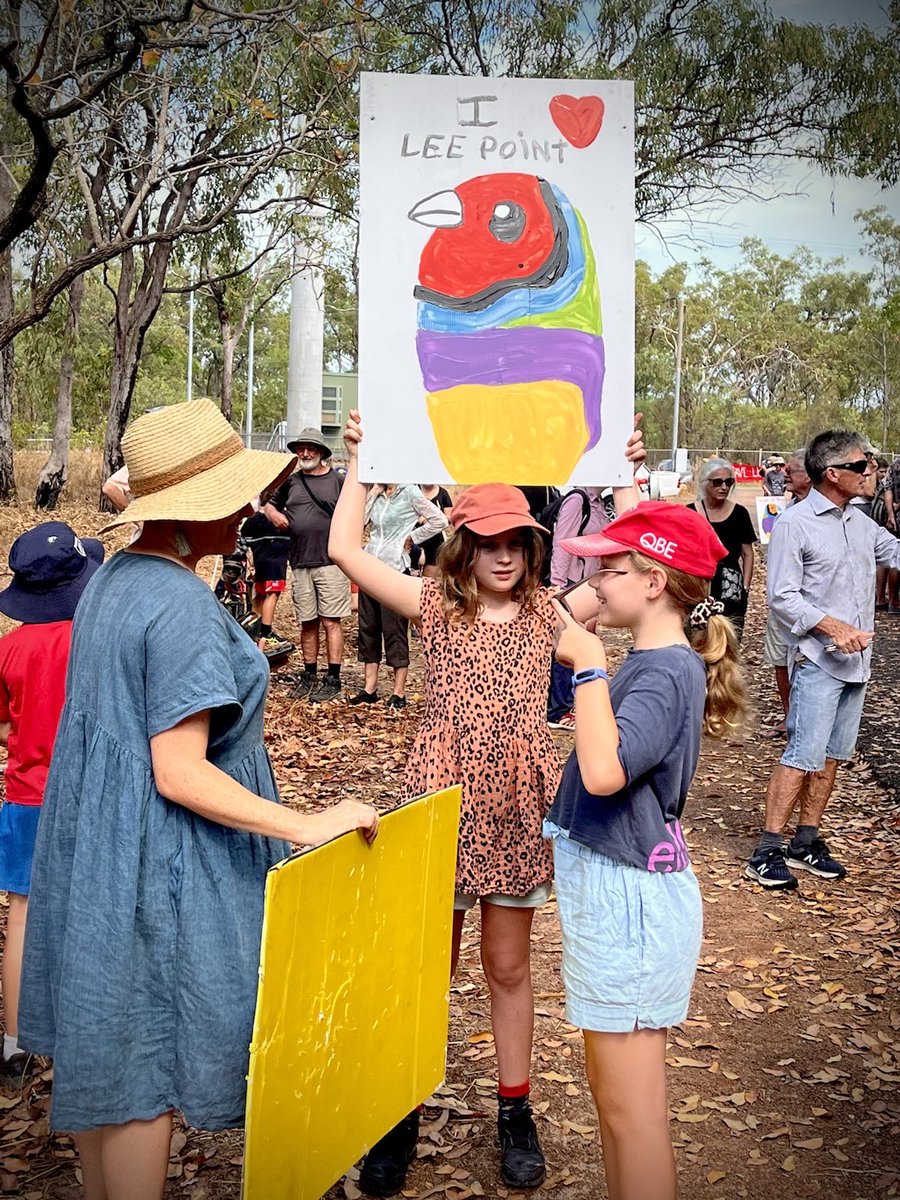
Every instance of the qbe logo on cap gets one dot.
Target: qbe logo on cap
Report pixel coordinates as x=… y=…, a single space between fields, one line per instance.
x=658 y=544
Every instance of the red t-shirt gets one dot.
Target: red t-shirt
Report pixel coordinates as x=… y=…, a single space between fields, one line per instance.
x=33 y=663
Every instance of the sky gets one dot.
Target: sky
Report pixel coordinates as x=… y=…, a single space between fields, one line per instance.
x=816 y=211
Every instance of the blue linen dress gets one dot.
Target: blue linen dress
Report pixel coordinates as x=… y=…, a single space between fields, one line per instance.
x=142 y=946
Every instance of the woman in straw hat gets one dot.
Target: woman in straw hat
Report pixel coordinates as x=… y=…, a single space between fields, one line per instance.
x=160 y=820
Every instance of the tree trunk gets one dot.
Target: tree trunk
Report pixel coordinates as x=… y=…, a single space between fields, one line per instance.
x=229 y=342
x=7 y=380
x=55 y=470
x=7 y=373
x=133 y=318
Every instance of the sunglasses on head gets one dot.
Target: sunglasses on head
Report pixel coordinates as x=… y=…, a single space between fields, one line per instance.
x=728 y=482
x=859 y=465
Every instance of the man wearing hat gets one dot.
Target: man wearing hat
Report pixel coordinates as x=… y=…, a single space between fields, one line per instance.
x=51 y=568
x=304 y=505
x=774 y=479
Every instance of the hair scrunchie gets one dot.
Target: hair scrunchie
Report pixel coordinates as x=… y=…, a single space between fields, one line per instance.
x=701 y=613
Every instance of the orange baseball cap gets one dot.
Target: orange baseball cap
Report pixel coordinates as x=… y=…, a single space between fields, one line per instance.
x=491 y=508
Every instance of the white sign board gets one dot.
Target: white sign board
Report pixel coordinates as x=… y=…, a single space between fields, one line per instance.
x=496 y=322
x=768 y=510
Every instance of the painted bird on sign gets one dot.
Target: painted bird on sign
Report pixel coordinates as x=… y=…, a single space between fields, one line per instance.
x=509 y=330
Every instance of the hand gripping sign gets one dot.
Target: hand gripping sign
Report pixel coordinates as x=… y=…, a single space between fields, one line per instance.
x=351 y=1016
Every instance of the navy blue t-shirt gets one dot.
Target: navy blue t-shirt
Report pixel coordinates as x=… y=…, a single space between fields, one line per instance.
x=658 y=697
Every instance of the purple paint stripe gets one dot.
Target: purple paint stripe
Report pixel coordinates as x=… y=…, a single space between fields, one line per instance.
x=526 y=355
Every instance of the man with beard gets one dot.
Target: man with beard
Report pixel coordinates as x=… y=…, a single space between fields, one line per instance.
x=304 y=505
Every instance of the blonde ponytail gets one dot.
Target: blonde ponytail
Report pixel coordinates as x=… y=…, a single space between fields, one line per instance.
x=717 y=644
x=726 y=696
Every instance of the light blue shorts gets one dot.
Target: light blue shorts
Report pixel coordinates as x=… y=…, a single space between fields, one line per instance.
x=533 y=899
x=631 y=940
x=823 y=717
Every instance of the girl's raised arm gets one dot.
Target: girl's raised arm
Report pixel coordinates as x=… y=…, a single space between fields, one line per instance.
x=402 y=593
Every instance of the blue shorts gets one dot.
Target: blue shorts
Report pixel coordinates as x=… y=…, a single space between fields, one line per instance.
x=18 y=829
x=631 y=940
x=823 y=717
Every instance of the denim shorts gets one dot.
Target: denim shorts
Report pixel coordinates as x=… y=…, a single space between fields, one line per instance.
x=533 y=899
x=631 y=939
x=823 y=717
x=18 y=829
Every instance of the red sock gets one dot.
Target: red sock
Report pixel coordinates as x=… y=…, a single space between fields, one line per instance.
x=508 y=1091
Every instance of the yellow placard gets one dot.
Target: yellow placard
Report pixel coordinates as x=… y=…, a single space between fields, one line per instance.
x=350 y=1031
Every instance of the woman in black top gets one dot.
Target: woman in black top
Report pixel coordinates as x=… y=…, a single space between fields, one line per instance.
x=734 y=530
x=426 y=560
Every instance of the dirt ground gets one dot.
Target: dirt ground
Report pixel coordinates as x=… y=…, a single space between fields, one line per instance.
x=784 y=1080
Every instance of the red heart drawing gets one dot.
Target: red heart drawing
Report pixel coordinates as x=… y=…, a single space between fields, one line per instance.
x=578 y=118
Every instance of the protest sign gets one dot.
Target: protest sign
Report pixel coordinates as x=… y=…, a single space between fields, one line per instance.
x=496 y=322
x=768 y=510
x=350 y=1031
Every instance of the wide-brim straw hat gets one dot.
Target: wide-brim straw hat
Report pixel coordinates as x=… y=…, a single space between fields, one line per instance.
x=186 y=463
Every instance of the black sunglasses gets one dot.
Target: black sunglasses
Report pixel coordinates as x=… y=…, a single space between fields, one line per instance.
x=722 y=482
x=859 y=465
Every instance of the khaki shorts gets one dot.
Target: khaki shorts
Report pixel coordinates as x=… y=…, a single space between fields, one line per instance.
x=533 y=899
x=320 y=592
x=775 y=651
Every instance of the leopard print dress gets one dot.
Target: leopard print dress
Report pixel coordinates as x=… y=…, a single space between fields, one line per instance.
x=485 y=727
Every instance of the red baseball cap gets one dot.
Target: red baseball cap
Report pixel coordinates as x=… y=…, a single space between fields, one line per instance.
x=491 y=508
x=669 y=533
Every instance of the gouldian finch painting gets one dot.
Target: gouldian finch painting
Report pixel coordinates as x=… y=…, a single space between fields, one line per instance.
x=509 y=331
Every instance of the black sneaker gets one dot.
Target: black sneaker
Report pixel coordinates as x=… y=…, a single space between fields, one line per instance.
x=15 y=1070
x=328 y=689
x=768 y=868
x=363 y=697
x=304 y=685
x=383 y=1172
x=395 y=702
x=815 y=858
x=522 y=1162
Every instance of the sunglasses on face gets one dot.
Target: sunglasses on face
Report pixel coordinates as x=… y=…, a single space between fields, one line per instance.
x=729 y=482
x=859 y=466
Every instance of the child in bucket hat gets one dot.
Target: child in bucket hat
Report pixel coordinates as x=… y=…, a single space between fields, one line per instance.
x=51 y=567
x=629 y=904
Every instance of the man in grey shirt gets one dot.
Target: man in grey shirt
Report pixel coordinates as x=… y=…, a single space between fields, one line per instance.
x=821 y=588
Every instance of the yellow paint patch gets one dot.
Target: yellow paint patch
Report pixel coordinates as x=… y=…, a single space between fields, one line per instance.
x=350 y=1031
x=532 y=433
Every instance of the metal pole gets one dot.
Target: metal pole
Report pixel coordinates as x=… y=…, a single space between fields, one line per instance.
x=190 y=345
x=248 y=422
x=679 y=338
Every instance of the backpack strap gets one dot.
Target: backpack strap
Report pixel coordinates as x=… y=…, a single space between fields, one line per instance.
x=326 y=508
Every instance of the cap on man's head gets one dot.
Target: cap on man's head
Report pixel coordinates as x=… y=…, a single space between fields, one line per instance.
x=51 y=567
x=775 y=460
x=310 y=437
x=668 y=533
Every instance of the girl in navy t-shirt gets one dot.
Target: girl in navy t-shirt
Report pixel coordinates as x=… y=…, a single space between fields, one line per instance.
x=629 y=903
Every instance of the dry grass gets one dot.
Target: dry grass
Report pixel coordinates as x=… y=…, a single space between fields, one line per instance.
x=84 y=474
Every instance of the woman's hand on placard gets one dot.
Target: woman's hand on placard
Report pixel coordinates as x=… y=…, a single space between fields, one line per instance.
x=344 y=818
x=635 y=450
x=353 y=433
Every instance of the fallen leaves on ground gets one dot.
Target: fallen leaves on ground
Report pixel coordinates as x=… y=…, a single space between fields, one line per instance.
x=784 y=1079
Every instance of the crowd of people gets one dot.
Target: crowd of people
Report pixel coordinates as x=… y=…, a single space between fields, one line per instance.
x=142 y=813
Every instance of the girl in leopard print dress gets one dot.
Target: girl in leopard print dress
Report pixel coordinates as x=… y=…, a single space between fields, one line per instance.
x=487 y=630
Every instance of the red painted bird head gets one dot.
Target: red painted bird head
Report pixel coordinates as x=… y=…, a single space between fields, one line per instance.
x=492 y=233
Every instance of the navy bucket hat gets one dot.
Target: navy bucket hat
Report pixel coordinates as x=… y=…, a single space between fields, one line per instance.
x=51 y=566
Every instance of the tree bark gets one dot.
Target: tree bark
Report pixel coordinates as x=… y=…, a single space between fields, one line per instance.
x=7 y=371
x=55 y=470
x=134 y=316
